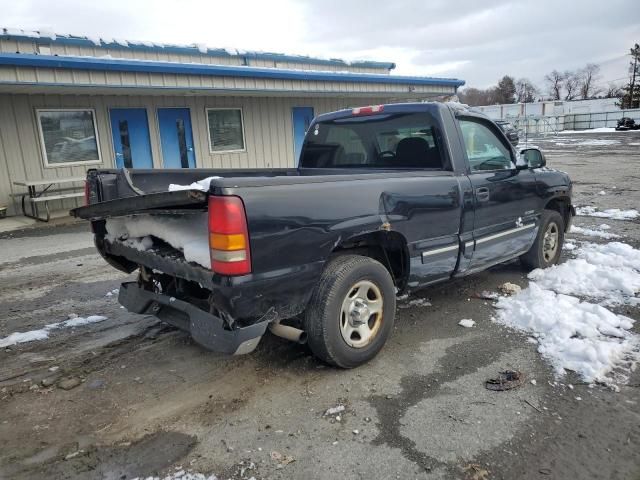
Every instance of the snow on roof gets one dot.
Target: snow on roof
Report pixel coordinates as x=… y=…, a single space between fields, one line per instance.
x=107 y=62
x=42 y=36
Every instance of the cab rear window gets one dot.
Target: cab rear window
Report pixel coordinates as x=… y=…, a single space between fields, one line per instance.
x=387 y=141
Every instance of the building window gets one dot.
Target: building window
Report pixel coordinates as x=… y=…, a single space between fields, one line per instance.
x=226 y=130
x=68 y=137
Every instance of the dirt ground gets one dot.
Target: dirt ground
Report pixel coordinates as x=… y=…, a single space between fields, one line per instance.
x=151 y=402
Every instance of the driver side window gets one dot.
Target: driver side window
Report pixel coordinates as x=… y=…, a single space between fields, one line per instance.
x=485 y=150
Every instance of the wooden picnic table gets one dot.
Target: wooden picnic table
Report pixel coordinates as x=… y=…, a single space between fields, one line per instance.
x=39 y=191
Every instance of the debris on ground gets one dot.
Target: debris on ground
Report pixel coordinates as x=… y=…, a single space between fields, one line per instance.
x=509 y=288
x=533 y=406
x=467 y=323
x=73 y=455
x=69 y=383
x=486 y=295
x=48 y=381
x=334 y=410
x=476 y=472
x=281 y=458
x=505 y=381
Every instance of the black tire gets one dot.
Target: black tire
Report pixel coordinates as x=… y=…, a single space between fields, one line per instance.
x=536 y=257
x=323 y=319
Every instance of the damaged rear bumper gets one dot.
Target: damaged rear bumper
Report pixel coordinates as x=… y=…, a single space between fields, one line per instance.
x=206 y=329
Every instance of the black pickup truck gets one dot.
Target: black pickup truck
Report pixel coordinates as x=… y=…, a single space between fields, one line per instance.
x=386 y=199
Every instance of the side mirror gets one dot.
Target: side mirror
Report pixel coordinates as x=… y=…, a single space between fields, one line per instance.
x=532 y=158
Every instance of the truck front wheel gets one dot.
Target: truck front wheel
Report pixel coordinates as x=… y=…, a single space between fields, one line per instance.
x=547 y=248
x=351 y=312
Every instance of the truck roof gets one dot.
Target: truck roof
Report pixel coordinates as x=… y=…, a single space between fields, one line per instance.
x=412 y=107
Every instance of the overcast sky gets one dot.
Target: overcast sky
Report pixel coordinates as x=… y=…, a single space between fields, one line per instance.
x=478 y=41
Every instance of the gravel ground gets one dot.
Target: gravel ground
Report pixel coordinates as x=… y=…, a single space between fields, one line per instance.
x=149 y=401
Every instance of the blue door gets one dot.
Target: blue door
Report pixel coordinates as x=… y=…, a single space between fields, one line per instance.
x=176 y=138
x=302 y=117
x=130 y=131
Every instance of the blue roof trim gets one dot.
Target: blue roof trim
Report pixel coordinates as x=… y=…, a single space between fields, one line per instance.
x=141 y=66
x=194 y=50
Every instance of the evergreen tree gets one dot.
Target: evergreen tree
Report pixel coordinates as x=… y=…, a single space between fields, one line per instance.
x=506 y=90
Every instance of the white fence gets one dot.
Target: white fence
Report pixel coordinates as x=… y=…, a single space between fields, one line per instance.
x=576 y=121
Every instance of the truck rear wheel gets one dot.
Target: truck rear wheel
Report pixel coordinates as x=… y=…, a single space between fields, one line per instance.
x=351 y=312
x=547 y=248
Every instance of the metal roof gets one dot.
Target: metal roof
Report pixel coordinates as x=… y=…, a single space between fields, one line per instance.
x=147 y=66
x=46 y=38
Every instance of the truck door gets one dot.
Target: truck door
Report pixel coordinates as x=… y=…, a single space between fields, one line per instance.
x=505 y=199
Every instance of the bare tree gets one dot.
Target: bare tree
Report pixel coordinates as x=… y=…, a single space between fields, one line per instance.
x=613 y=91
x=526 y=91
x=477 y=96
x=571 y=84
x=587 y=79
x=555 y=82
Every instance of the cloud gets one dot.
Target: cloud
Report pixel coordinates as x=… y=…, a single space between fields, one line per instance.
x=476 y=41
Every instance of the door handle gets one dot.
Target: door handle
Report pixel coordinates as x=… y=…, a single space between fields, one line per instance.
x=482 y=194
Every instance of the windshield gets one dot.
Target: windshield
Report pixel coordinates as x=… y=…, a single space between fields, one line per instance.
x=379 y=141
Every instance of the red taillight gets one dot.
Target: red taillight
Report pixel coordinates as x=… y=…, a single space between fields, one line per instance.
x=86 y=192
x=367 y=110
x=228 y=236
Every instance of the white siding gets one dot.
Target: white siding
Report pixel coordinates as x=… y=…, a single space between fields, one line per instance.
x=85 y=79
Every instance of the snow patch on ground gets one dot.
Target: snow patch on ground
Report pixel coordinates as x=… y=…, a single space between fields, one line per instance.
x=187 y=233
x=592 y=130
x=595 y=232
x=182 y=475
x=580 y=335
x=203 y=185
x=588 y=143
x=416 y=302
x=573 y=335
x=467 y=323
x=613 y=213
x=43 y=333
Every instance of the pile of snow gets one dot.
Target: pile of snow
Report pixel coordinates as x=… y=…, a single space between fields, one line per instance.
x=187 y=233
x=579 y=335
x=609 y=273
x=613 y=213
x=43 y=333
x=203 y=185
x=573 y=335
x=599 y=231
x=466 y=322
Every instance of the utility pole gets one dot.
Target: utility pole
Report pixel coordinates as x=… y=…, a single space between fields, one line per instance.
x=635 y=51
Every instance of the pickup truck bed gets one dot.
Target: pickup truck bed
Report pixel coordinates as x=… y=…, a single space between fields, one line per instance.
x=418 y=193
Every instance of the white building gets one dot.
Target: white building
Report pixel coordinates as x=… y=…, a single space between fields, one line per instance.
x=71 y=103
